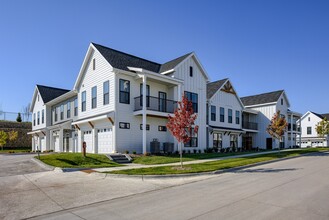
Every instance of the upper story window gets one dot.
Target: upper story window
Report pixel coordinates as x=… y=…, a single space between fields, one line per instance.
x=38 y=97
x=309 y=118
x=62 y=112
x=281 y=101
x=94 y=64
x=124 y=87
x=33 y=119
x=309 y=130
x=213 y=113
x=237 y=117
x=106 y=93
x=38 y=118
x=56 y=116
x=94 y=97
x=230 y=118
x=83 y=101
x=68 y=110
x=43 y=116
x=222 y=114
x=192 y=97
x=191 y=71
x=76 y=107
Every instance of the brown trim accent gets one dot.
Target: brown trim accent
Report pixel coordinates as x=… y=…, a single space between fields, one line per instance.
x=76 y=126
x=111 y=120
x=91 y=124
x=44 y=134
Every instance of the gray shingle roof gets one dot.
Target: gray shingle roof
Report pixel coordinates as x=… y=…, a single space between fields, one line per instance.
x=49 y=93
x=262 y=98
x=121 y=60
x=213 y=87
x=322 y=116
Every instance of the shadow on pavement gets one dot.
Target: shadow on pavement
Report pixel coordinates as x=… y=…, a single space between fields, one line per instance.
x=265 y=170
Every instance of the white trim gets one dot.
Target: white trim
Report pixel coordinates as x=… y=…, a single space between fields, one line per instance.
x=167 y=72
x=263 y=104
x=105 y=116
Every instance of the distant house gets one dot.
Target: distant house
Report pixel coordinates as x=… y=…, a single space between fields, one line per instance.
x=309 y=137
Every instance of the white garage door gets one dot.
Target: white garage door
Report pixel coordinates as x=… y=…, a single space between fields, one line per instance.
x=43 y=144
x=104 y=140
x=88 y=138
x=56 y=143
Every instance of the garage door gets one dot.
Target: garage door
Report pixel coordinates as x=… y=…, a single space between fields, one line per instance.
x=104 y=140
x=43 y=144
x=56 y=143
x=88 y=138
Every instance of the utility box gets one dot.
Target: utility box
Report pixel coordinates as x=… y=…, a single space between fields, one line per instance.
x=168 y=147
x=155 y=146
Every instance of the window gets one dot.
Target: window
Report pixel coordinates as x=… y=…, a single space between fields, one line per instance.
x=62 y=112
x=56 y=117
x=162 y=128
x=124 y=125
x=38 y=98
x=38 y=118
x=124 y=95
x=191 y=71
x=94 y=97
x=147 y=95
x=106 y=93
x=217 y=140
x=309 y=130
x=43 y=116
x=33 y=119
x=222 y=114
x=68 y=110
x=147 y=127
x=75 y=107
x=234 y=141
x=83 y=101
x=281 y=101
x=309 y=118
x=230 y=119
x=213 y=113
x=94 y=64
x=193 y=142
x=193 y=97
x=237 y=117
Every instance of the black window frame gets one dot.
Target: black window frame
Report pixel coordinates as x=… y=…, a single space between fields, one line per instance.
x=162 y=128
x=56 y=114
x=124 y=125
x=191 y=96
x=83 y=101
x=124 y=96
x=94 y=64
x=68 y=109
x=147 y=127
x=213 y=113
x=34 y=119
x=191 y=71
x=281 y=101
x=221 y=116
x=192 y=141
x=76 y=107
x=309 y=130
x=94 y=97
x=62 y=112
x=106 y=93
x=42 y=116
x=38 y=119
x=218 y=142
x=230 y=116
x=237 y=117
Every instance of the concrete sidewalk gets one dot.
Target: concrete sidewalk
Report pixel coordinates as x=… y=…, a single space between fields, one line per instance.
x=138 y=166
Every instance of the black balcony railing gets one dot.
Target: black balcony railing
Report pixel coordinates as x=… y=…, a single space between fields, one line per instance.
x=249 y=125
x=155 y=104
x=294 y=127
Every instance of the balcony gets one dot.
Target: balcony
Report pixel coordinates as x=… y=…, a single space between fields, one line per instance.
x=155 y=104
x=249 y=125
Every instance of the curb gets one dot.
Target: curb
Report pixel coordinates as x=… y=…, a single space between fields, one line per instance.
x=43 y=165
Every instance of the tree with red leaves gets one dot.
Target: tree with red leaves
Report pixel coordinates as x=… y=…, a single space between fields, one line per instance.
x=181 y=125
x=277 y=127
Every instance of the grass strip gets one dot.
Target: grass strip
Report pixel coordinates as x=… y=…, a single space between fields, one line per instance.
x=76 y=160
x=217 y=165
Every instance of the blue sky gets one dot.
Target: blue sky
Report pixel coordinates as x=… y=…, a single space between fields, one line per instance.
x=261 y=46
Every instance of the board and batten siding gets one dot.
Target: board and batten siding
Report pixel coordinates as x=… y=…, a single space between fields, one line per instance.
x=103 y=72
x=196 y=84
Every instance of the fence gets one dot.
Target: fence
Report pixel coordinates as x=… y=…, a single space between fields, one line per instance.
x=12 y=116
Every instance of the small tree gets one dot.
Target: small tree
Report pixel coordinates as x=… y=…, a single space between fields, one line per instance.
x=12 y=135
x=322 y=128
x=3 y=139
x=181 y=125
x=19 y=118
x=277 y=127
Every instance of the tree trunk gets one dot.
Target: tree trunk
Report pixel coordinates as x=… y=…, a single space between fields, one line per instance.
x=181 y=155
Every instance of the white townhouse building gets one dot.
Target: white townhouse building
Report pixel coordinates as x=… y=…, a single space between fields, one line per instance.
x=224 y=116
x=260 y=109
x=309 y=136
x=107 y=109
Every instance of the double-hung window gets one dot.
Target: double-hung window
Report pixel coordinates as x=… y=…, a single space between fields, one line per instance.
x=83 y=101
x=94 y=97
x=237 y=117
x=193 y=97
x=230 y=117
x=213 y=113
x=43 y=116
x=106 y=93
x=75 y=107
x=68 y=110
x=62 y=112
x=222 y=114
x=33 y=119
x=38 y=118
x=124 y=96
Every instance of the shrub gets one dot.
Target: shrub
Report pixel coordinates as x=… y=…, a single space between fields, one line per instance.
x=215 y=149
x=199 y=151
x=134 y=152
x=126 y=151
x=147 y=154
x=176 y=152
x=194 y=151
x=184 y=151
x=205 y=150
x=188 y=151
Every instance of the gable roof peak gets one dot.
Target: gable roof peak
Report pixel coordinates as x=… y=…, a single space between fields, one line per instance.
x=49 y=93
x=213 y=87
x=263 y=98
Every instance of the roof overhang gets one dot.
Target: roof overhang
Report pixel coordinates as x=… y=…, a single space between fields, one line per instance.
x=109 y=116
x=226 y=129
x=37 y=132
x=263 y=104
x=251 y=111
x=64 y=125
x=62 y=98
x=294 y=113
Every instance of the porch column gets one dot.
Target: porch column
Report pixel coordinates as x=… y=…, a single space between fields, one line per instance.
x=61 y=140
x=292 y=131
x=179 y=92
x=144 y=114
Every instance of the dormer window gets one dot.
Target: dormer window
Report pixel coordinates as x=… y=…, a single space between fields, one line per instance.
x=191 y=71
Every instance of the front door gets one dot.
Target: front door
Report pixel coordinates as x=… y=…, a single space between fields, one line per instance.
x=247 y=143
x=162 y=101
x=269 y=143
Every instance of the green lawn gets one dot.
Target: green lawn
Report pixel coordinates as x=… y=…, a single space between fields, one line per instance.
x=76 y=160
x=7 y=150
x=150 y=160
x=217 y=165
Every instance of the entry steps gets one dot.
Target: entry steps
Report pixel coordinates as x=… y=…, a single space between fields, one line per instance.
x=119 y=158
